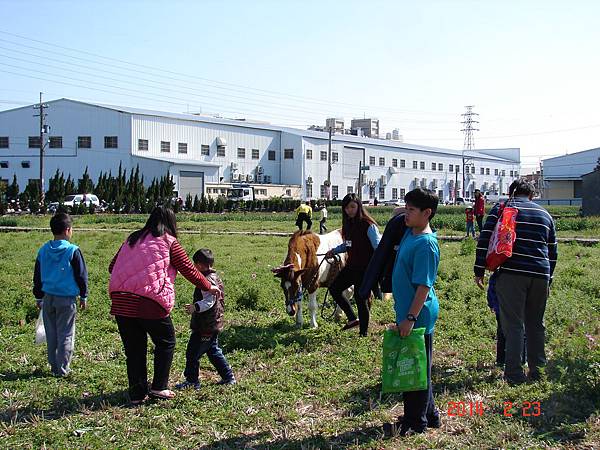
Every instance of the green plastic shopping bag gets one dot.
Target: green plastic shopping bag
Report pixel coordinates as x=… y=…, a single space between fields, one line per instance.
x=404 y=366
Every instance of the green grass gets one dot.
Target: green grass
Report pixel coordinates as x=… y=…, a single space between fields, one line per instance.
x=297 y=388
x=449 y=221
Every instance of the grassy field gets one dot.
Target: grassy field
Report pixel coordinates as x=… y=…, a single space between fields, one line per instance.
x=297 y=388
x=449 y=221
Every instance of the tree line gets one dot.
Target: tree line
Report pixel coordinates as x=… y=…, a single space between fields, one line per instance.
x=125 y=193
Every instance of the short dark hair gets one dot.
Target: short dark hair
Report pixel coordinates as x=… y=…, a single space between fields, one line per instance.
x=521 y=187
x=60 y=222
x=423 y=199
x=204 y=256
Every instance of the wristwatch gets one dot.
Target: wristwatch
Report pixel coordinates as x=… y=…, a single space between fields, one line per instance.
x=411 y=318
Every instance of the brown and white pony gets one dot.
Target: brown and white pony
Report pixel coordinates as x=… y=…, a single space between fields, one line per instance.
x=304 y=269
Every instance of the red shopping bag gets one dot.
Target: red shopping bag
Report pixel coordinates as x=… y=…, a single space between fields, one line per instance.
x=503 y=238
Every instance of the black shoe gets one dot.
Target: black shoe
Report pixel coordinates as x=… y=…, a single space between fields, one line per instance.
x=515 y=380
x=407 y=431
x=433 y=421
x=351 y=324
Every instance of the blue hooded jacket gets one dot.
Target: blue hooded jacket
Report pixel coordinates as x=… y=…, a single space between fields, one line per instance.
x=57 y=274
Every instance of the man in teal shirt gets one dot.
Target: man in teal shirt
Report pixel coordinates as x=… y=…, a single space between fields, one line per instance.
x=415 y=301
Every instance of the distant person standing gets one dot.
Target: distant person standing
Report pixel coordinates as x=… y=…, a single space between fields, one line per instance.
x=479 y=209
x=322 y=226
x=304 y=214
x=469 y=218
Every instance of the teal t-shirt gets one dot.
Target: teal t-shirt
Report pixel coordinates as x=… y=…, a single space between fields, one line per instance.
x=416 y=264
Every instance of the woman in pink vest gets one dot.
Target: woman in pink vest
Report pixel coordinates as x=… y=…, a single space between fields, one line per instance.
x=142 y=292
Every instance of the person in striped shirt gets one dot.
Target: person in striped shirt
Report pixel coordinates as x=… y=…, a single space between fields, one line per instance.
x=523 y=280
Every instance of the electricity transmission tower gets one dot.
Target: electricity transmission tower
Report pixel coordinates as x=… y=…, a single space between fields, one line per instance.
x=468 y=123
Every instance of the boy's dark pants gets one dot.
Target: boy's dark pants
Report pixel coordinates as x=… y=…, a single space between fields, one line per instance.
x=419 y=405
x=199 y=345
x=322 y=226
x=134 y=334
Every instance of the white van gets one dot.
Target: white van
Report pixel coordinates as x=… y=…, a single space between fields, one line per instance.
x=86 y=199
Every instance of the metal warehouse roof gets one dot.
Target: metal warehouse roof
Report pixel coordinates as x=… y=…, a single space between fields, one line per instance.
x=478 y=153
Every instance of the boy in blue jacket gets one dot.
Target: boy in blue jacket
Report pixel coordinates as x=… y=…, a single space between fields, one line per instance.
x=60 y=276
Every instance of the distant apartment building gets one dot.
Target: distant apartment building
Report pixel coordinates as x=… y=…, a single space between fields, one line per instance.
x=365 y=127
x=336 y=124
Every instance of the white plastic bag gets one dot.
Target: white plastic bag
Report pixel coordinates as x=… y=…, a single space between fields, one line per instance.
x=40 y=331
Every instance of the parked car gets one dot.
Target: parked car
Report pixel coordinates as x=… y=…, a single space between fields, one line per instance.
x=75 y=200
x=397 y=203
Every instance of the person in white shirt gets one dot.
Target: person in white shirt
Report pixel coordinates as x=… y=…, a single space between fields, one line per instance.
x=322 y=227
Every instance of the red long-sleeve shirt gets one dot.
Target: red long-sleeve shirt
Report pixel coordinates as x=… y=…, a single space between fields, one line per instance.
x=133 y=305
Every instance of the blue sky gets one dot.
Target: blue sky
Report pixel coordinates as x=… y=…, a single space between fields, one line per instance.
x=529 y=67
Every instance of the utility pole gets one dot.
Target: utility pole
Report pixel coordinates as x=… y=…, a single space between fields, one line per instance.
x=43 y=130
x=469 y=143
x=329 y=165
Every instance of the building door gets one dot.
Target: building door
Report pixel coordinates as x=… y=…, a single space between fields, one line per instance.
x=191 y=183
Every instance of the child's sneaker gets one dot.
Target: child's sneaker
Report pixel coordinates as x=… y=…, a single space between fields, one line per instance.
x=227 y=382
x=188 y=385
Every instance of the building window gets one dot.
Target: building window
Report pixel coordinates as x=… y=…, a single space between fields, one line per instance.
x=371 y=192
x=415 y=165
x=309 y=153
x=487 y=171
x=271 y=155
x=433 y=166
x=85 y=142
x=34 y=142
x=440 y=166
x=394 y=162
x=288 y=192
x=335 y=191
x=165 y=146
x=334 y=157
x=241 y=152
x=56 y=142
x=288 y=153
x=496 y=172
x=382 y=161
x=3 y=141
x=511 y=173
x=220 y=150
x=394 y=193
x=143 y=144
x=261 y=192
x=255 y=153
x=323 y=156
x=381 y=193
x=457 y=168
x=371 y=160
x=516 y=174
x=481 y=171
x=309 y=191
x=451 y=167
x=181 y=147
x=323 y=191
x=472 y=169
x=402 y=193
x=3 y=164
x=111 y=142
x=205 y=150
x=402 y=163
x=422 y=165
x=349 y=189
x=25 y=164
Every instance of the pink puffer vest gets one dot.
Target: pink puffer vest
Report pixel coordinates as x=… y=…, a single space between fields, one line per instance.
x=145 y=269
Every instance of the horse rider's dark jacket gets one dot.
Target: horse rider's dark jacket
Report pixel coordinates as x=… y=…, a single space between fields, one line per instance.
x=382 y=262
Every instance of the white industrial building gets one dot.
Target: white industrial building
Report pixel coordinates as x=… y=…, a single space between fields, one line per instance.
x=205 y=154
